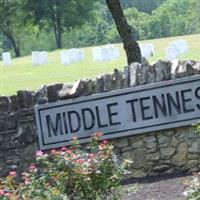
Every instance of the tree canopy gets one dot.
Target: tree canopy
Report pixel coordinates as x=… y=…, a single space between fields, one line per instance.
x=11 y=22
x=59 y=15
x=146 y=6
x=28 y=25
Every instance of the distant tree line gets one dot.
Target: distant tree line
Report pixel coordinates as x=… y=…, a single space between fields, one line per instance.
x=28 y=25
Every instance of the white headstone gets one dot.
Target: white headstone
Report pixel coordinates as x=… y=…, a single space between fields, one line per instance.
x=96 y=54
x=113 y=51
x=147 y=50
x=6 y=58
x=43 y=57
x=39 y=58
x=76 y=55
x=176 y=48
x=171 y=53
x=35 y=58
x=72 y=55
x=105 y=53
x=64 y=57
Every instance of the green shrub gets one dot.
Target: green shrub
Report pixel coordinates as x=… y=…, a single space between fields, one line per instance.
x=70 y=173
x=193 y=188
x=192 y=191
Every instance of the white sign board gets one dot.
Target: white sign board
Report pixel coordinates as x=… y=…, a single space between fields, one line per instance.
x=120 y=113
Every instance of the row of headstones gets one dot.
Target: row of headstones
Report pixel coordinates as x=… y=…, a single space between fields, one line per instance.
x=105 y=53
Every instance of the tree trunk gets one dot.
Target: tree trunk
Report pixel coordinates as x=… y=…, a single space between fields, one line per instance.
x=59 y=33
x=58 y=26
x=131 y=47
x=10 y=37
x=16 y=47
x=58 y=36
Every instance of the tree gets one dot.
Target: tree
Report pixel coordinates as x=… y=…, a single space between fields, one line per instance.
x=58 y=15
x=192 y=18
x=130 y=45
x=146 y=6
x=11 y=22
x=140 y=21
x=170 y=19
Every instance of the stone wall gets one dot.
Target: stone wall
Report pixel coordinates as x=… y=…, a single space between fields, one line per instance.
x=156 y=153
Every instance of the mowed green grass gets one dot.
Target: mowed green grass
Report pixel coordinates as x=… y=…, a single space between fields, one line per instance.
x=22 y=75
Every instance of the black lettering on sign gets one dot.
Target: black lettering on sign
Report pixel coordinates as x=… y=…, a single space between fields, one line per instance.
x=197 y=95
x=54 y=127
x=88 y=116
x=144 y=108
x=186 y=99
x=173 y=103
x=159 y=105
x=99 y=122
x=132 y=101
x=72 y=117
x=111 y=114
x=65 y=122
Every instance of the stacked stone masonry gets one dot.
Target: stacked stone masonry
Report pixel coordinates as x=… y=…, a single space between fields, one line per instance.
x=157 y=153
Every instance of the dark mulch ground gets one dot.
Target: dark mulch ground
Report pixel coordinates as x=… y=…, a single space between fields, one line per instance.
x=158 y=188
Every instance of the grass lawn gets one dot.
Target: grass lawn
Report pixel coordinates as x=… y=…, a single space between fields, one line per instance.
x=22 y=75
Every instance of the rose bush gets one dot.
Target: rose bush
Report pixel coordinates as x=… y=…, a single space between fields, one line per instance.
x=70 y=173
x=192 y=191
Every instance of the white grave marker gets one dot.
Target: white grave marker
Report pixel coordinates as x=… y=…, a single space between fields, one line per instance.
x=105 y=53
x=65 y=60
x=6 y=58
x=43 y=57
x=39 y=58
x=35 y=58
x=70 y=56
x=147 y=50
x=96 y=54
x=176 y=49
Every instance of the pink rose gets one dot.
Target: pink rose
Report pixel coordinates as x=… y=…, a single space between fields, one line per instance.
x=13 y=173
x=91 y=155
x=32 y=167
x=80 y=161
x=69 y=151
x=2 y=192
x=27 y=181
x=39 y=153
x=105 y=142
x=63 y=148
x=8 y=194
x=98 y=134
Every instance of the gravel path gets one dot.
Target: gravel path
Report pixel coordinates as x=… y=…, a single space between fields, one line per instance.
x=159 y=188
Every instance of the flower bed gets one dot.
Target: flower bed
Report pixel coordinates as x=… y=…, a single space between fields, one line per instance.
x=70 y=173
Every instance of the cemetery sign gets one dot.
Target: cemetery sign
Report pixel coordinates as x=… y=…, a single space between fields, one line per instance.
x=120 y=113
